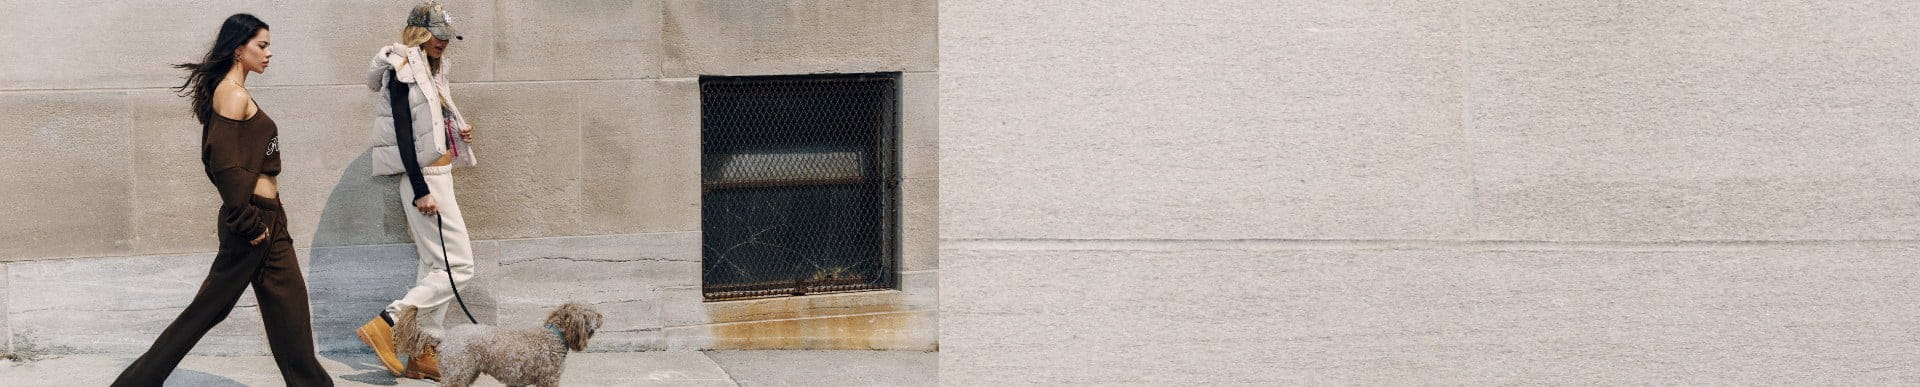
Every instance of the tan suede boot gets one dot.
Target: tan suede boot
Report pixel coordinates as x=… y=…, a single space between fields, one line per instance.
x=425 y=365
x=378 y=334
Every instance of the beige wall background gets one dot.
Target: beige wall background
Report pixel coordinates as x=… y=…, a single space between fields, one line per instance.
x=587 y=120
x=1397 y=192
x=1213 y=192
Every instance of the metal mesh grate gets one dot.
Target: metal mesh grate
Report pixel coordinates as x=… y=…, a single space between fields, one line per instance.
x=799 y=184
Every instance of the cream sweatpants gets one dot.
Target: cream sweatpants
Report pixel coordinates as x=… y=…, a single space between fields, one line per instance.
x=431 y=292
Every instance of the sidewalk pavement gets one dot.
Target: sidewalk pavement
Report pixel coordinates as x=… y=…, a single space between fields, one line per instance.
x=664 y=368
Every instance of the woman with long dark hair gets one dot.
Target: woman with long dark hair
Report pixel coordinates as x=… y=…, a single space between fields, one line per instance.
x=240 y=147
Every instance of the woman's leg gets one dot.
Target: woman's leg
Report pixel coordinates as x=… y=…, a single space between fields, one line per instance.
x=426 y=234
x=282 y=292
x=233 y=268
x=431 y=292
x=441 y=241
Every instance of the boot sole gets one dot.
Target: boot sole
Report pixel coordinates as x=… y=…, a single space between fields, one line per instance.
x=417 y=375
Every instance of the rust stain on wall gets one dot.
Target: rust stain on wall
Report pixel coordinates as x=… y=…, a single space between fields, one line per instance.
x=872 y=331
x=870 y=320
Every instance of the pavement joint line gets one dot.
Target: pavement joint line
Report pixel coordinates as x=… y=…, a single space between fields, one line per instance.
x=723 y=369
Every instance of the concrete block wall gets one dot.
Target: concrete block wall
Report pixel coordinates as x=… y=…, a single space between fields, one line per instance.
x=587 y=124
x=1448 y=192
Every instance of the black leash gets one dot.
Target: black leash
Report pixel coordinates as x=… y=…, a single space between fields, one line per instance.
x=449 y=261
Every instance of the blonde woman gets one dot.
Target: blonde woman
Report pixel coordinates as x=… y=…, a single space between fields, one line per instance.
x=421 y=134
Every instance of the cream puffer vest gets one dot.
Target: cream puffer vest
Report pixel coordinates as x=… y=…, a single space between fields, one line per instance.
x=430 y=136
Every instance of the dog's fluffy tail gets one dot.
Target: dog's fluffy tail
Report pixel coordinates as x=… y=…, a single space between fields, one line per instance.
x=408 y=339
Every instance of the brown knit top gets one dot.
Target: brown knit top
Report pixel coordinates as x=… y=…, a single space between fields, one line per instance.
x=236 y=153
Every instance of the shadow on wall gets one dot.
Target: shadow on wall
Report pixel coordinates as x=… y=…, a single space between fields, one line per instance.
x=362 y=209
x=348 y=283
x=362 y=259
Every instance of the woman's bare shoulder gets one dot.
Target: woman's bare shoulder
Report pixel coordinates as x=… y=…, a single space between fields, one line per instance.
x=232 y=102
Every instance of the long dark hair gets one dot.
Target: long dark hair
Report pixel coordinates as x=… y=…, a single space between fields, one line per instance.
x=203 y=77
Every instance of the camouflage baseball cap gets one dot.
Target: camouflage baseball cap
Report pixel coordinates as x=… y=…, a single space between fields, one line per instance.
x=435 y=18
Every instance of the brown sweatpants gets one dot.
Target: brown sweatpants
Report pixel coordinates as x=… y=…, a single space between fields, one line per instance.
x=274 y=272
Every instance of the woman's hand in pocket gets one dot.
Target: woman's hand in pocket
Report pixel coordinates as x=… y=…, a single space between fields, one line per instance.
x=262 y=238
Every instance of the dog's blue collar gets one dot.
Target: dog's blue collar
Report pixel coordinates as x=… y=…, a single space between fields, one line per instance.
x=558 y=335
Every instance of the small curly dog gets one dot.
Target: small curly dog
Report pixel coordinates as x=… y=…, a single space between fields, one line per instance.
x=516 y=357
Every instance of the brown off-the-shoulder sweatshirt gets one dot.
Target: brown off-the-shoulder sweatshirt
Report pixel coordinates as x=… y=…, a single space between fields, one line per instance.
x=236 y=153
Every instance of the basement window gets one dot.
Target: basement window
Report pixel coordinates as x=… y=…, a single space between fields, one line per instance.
x=799 y=183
